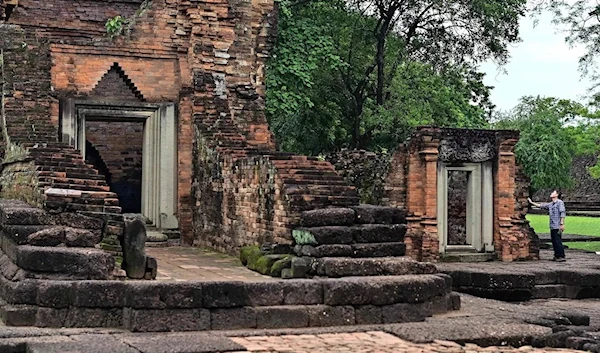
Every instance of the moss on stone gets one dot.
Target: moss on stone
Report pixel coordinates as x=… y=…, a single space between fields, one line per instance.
x=264 y=263
x=303 y=237
x=249 y=254
x=279 y=265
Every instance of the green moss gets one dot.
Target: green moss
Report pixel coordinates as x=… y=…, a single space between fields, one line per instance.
x=249 y=254
x=279 y=265
x=264 y=263
x=303 y=237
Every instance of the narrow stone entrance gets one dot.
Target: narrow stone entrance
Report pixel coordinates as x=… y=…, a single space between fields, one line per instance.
x=134 y=145
x=465 y=207
x=115 y=148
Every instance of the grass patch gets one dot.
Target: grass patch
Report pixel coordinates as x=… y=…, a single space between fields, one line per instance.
x=573 y=224
x=584 y=245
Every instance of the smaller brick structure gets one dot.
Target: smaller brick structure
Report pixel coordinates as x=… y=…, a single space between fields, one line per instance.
x=416 y=182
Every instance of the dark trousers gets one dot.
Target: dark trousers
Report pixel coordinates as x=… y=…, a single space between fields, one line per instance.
x=559 y=250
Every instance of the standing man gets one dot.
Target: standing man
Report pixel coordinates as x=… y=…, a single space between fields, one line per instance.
x=558 y=213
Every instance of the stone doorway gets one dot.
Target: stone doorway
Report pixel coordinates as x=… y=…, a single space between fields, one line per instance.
x=140 y=154
x=465 y=207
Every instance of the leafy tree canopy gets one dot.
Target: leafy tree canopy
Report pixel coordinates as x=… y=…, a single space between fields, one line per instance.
x=547 y=144
x=362 y=73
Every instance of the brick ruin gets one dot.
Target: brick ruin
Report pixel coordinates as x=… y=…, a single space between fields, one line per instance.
x=416 y=183
x=168 y=121
x=194 y=70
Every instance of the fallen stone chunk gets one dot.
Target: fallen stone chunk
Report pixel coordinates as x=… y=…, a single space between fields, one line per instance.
x=24 y=215
x=264 y=263
x=279 y=265
x=328 y=217
x=80 y=221
x=82 y=238
x=47 y=237
x=299 y=267
x=249 y=254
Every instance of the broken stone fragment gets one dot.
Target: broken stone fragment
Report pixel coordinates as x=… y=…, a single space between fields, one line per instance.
x=81 y=237
x=47 y=237
x=76 y=220
x=264 y=263
x=279 y=265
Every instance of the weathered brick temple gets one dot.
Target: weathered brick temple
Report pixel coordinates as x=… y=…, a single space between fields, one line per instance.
x=167 y=120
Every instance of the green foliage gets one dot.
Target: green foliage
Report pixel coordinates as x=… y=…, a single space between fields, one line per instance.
x=114 y=26
x=582 y=20
x=118 y=25
x=349 y=74
x=546 y=147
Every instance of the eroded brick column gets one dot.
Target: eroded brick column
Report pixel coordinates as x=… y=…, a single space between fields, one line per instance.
x=507 y=245
x=430 y=241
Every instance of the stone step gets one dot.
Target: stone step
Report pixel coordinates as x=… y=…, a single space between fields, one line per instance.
x=379 y=266
x=366 y=233
x=371 y=214
x=352 y=250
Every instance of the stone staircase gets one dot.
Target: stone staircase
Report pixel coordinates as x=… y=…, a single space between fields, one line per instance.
x=68 y=182
x=361 y=240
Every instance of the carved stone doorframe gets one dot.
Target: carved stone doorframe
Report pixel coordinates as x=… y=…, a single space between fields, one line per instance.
x=480 y=207
x=159 y=153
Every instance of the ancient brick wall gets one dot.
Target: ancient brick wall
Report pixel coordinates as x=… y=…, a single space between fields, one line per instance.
x=208 y=57
x=26 y=86
x=365 y=170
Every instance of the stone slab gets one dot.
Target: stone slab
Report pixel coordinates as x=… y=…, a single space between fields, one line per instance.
x=383 y=290
x=331 y=234
x=403 y=312
x=100 y=294
x=344 y=267
x=23 y=216
x=164 y=320
x=324 y=315
x=328 y=217
x=288 y=316
x=180 y=343
x=378 y=249
x=19 y=233
x=83 y=343
x=380 y=233
x=233 y=318
x=371 y=214
x=225 y=295
x=483 y=334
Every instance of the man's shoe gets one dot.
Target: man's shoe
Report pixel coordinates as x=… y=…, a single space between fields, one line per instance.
x=553 y=259
x=560 y=259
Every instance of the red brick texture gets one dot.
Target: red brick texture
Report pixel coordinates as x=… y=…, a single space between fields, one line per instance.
x=209 y=57
x=412 y=184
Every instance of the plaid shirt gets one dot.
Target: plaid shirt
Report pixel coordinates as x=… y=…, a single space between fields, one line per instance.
x=557 y=211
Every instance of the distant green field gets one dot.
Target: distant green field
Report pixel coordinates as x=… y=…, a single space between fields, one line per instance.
x=584 y=245
x=573 y=224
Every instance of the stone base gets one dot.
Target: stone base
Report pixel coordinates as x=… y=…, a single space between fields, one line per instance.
x=145 y=306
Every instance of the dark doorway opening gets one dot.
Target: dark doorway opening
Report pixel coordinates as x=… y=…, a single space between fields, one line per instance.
x=115 y=149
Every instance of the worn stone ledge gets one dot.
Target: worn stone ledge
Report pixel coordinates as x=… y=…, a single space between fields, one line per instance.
x=518 y=286
x=198 y=319
x=164 y=306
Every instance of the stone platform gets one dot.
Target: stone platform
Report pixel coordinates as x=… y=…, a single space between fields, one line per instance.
x=480 y=323
x=577 y=278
